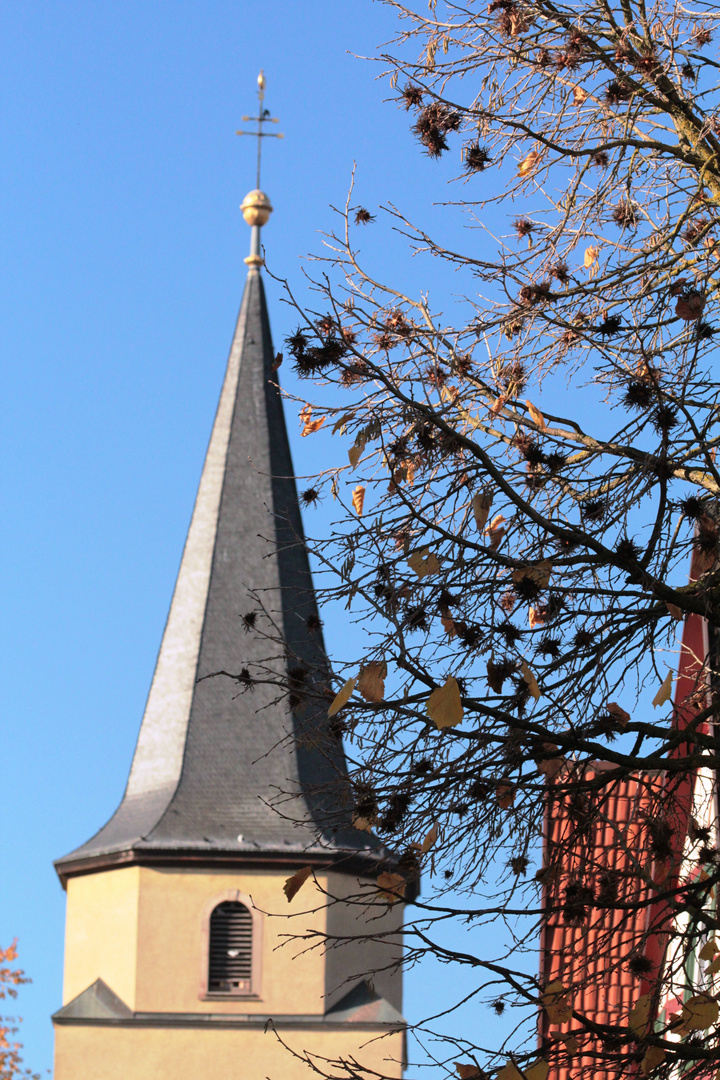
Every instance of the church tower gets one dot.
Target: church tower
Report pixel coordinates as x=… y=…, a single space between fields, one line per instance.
x=179 y=958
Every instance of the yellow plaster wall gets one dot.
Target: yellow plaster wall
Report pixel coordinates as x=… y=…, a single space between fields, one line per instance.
x=122 y=1053
x=101 y=932
x=171 y=952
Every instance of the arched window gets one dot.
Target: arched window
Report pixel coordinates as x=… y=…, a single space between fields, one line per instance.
x=230 y=952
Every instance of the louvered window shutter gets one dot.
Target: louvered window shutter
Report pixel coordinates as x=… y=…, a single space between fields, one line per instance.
x=230 y=961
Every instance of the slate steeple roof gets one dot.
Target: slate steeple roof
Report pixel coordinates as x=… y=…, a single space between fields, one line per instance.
x=210 y=757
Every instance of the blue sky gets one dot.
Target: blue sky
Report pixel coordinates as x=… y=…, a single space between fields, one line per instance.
x=121 y=276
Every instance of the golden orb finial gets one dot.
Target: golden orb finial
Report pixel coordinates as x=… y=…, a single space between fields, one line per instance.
x=256 y=207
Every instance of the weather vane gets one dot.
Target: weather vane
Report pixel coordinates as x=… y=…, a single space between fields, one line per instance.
x=263 y=117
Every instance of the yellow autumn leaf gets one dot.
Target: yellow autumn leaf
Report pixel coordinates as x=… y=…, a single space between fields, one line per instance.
x=699 y=1012
x=481 y=504
x=391 y=887
x=358 y=498
x=579 y=95
x=424 y=562
x=591 y=255
x=709 y=950
x=713 y=967
x=444 y=705
x=430 y=840
x=537 y=616
x=675 y=611
x=495 y=531
x=556 y=1004
x=296 y=882
x=665 y=692
x=342 y=697
x=639 y=1017
x=448 y=623
x=528 y=163
x=371 y=681
x=536 y=416
x=362 y=823
x=467 y=1072
x=530 y=679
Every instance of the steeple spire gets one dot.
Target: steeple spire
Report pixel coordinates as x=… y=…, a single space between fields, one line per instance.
x=214 y=752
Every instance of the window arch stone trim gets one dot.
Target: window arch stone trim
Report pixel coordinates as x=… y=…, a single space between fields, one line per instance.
x=254 y=992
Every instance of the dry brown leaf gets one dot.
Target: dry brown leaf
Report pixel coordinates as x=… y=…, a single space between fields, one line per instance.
x=356 y=450
x=654 y=1056
x=537 y=1071
x=675 y=611
x=709 y=950
x=591 y=256
x=310 y=425
x=362 y=823
x=528 y=163
x=665 y=692
x=550 y=766
x=448 y=623
x=342 y=697
x=530 y=679
x=358 y=498
x=504 y=794
x=690 y=306
x=699 y=1012
x=537 y=616
x=618 y=715
x=344 y=419
x=556 y=1004
x=481 y=504
x=539 y=574
x=498 y=404
x=713 y=967
x=639 y=1017
x=391 y=886
x=424 y=562
x=579 y=95
x=536 y=416
x=444 y=705
x=571 y=1045
x=296 y=882
x=371 y=681
x=430 y=840
x=495 y=531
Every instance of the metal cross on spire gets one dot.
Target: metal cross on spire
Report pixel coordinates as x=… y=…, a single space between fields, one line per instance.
x=263 y=117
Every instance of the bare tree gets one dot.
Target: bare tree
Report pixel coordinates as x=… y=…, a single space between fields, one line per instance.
x=521 y=573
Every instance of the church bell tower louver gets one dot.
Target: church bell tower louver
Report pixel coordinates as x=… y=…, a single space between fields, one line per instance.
x=173 y=964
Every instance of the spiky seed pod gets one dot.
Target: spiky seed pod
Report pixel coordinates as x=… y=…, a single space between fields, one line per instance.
x=627 y=550
x=477 y=158
x=385 y=341
x=610 y=326
x=688 y=71
x=357 y=371
x=523 y=227
x=705 y=330
x=532 y=453
x=416 y=619
x=507 y=602
x=593 y=509
x=499 y=671
x=363 y=216
x=479 y=790
x=421 y=767
x=639 y=394
x=702 y=36
x=555 y=462
x=560 y=272
x=313 y=623
x=535 y=481
x=498 y=1007
x=511 y=634
x=519 y=864
x=411 y=96
x=708 y=534
x=543 y=59
x=249 y=620
x=583 y=639
x=297 y=343
x=310 y=497
x=664 y=418
x=245 y=679
x=513 y=377
x=625 y=215
x=600 y=160
x=693 y=507
x=550 y=647
x=695 y=229
x=618 y=91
